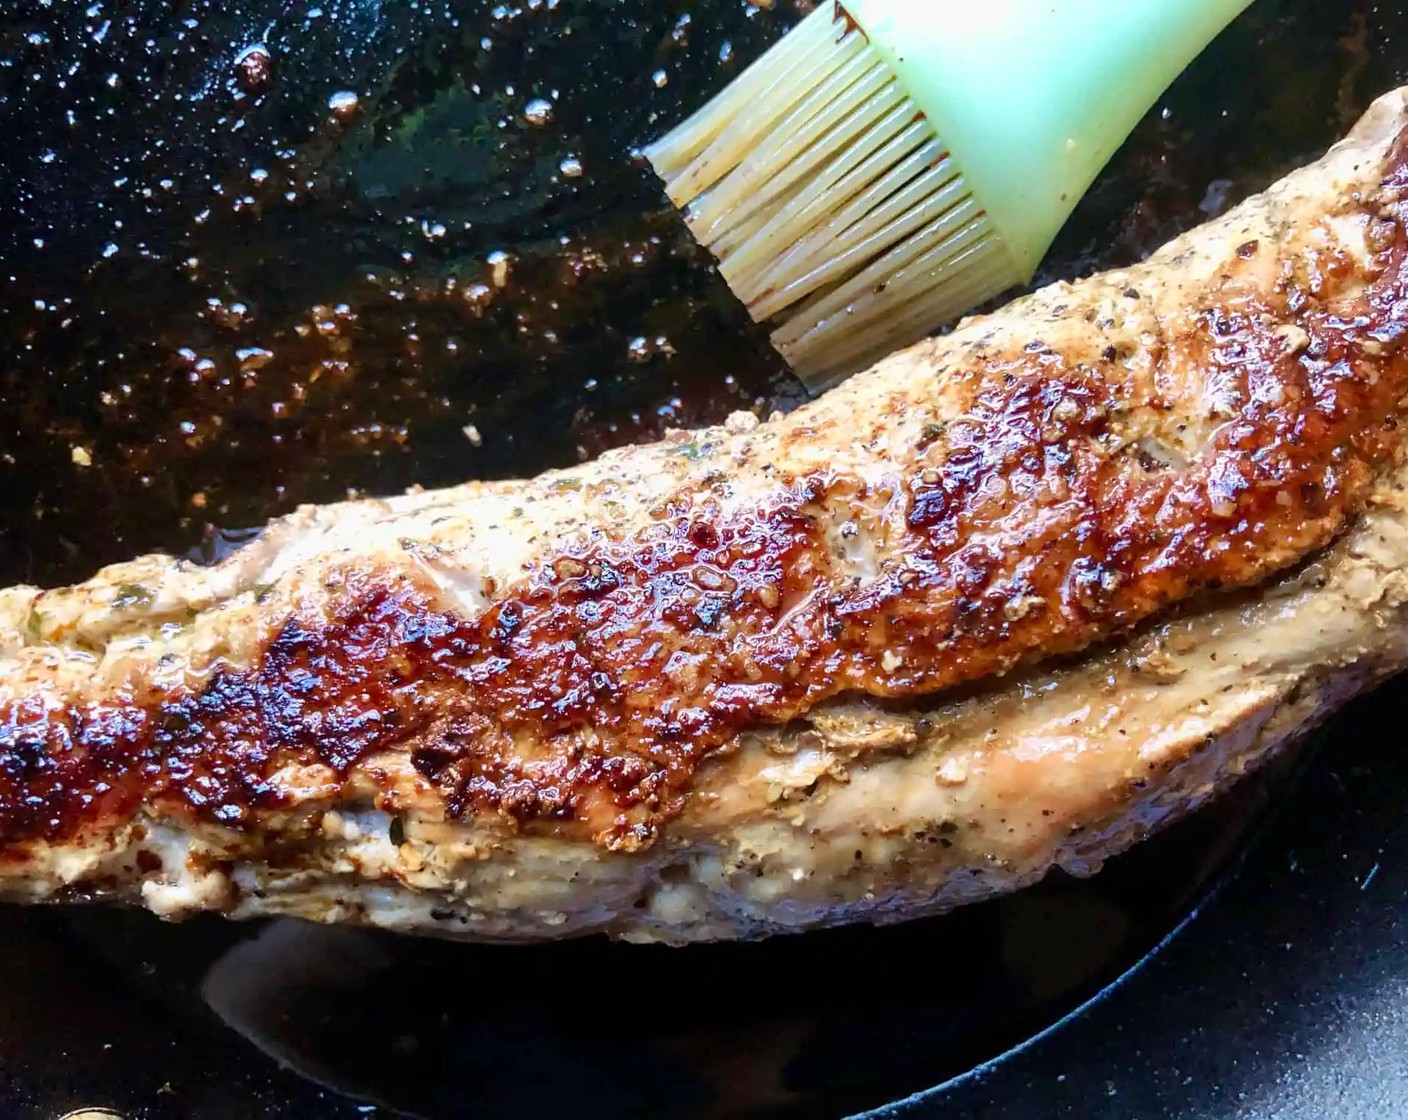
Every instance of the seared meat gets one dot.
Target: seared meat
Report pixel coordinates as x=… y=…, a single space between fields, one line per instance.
x=842 y=666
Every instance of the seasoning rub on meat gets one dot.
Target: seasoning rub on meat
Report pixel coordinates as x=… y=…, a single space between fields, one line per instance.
x=1010 y=600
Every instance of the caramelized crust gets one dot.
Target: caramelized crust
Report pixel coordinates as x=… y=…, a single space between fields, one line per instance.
x=564 y=655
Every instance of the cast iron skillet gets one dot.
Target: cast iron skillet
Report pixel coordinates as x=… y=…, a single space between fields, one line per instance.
x=247 y=250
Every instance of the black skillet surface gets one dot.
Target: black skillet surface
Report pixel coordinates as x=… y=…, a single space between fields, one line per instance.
x=227 y=287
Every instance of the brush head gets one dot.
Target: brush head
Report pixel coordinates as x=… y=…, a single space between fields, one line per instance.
x=832 y=204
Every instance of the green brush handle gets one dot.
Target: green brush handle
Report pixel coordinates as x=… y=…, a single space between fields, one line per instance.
x=1033 y=97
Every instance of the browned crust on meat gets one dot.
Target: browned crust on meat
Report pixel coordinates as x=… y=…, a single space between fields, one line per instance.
x=586 y=697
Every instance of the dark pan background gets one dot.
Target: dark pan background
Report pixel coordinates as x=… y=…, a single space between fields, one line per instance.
x=219 y=298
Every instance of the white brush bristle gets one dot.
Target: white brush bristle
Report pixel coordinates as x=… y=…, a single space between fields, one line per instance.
x=831 y=203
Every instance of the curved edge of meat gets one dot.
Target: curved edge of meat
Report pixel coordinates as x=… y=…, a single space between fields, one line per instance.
x=861 y=814
x=856 y=808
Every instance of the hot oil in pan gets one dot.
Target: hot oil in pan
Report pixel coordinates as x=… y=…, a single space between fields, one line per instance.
x=267 y=253
x=271 y=253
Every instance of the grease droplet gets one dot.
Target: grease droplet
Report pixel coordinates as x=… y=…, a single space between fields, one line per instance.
x=343 y=104
x=254 y=69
